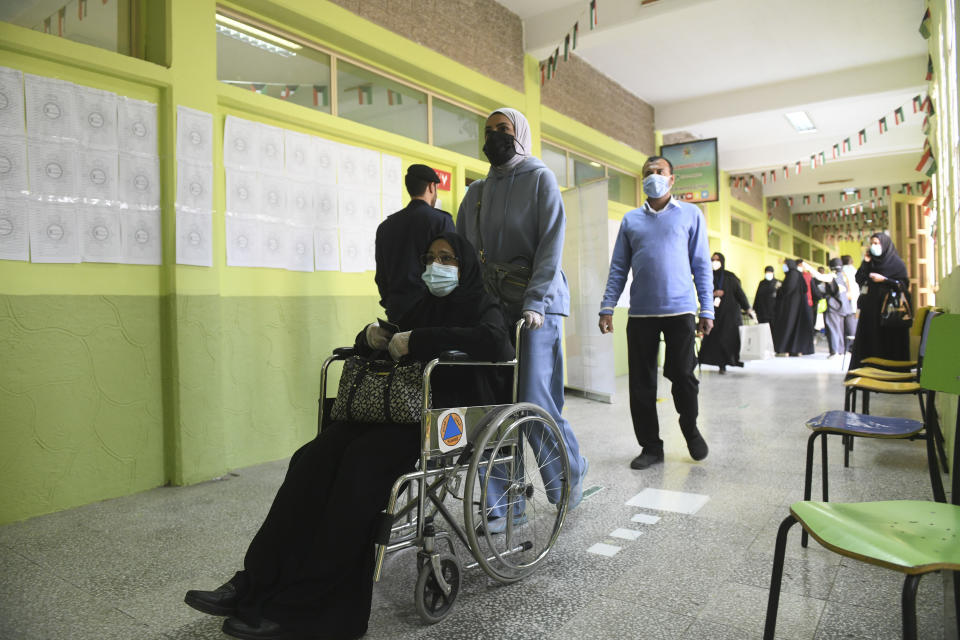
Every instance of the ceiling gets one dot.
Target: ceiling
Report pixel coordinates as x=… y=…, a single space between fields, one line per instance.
x=731 y=69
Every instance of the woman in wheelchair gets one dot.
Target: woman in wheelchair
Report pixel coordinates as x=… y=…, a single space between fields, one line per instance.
x=308 y=573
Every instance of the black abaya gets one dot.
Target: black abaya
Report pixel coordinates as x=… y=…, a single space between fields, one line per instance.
x=310 y=566
x=873 y=340
x=765 y=301
x=793 y=328
x=721 y=346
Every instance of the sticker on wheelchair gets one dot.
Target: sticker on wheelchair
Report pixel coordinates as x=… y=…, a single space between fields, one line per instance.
x=450 y=431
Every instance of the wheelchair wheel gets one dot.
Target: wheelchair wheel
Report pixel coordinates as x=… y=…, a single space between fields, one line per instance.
x=431 y=602
x=525 y=445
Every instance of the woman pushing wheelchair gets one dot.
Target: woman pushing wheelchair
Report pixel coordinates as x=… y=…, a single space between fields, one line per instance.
x=308 y=572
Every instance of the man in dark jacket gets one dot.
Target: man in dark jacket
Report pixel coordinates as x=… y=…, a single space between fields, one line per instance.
x=403 y=237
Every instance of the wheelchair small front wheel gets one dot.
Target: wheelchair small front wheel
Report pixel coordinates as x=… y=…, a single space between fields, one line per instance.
x=432 y=604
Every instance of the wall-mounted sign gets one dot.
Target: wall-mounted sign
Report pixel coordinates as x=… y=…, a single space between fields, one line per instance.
x=444 y=179
x=695 y=168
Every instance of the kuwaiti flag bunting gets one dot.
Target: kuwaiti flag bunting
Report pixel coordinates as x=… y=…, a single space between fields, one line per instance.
x=836 y=151
x=927 y=165
x=898 y=117
x=882 y=123
x=861 y=137
x=917 y=104
x=548 y=67
x=925 y=25
x=821 y=198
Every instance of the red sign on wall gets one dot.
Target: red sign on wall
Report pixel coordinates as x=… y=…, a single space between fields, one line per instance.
x=444 y=179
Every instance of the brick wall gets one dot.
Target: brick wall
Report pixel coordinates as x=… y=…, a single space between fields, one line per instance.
x=480 y=34
x=584 y=94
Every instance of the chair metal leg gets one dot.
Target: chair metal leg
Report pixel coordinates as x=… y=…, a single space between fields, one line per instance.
x=866 y=401
x=932 y=427
x=824 y=480
x=908 y=602
x=808 y=473
x=846 y=450
x=773 y=603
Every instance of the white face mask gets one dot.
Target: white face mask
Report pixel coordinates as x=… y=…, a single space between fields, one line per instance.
x=876 y=250
x=441 y=279
x=786 y=268
x=768 y=276
x=656 y=185
x=716 y=265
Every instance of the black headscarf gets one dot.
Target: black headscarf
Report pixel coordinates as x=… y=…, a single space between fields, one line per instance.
x=888 y=263
x=718 y=274
x=462 y=306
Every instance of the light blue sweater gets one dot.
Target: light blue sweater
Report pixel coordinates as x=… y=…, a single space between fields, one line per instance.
x=522 y=217
x=663 y=249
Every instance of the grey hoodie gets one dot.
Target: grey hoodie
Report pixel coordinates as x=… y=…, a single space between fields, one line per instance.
x=522 y=220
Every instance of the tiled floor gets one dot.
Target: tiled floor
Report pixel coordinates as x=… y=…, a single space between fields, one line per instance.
x=119 y=569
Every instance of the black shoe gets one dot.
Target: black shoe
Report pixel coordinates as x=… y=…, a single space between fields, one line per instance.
x=723 y=370
x=697 y=447
x=267 y=630
x=222 y=601
x=645 y=460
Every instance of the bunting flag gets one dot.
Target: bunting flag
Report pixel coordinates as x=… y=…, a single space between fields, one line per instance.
x=861 y=137
x=929 y=75
x=576 y=31
x=752 y=181
x=821 y=198
x=776 y=202
x=925 y=127
x=288 y=91
x=786 y=173
x=813 y=162
x=61 y=20
x=836 y=151
x=365 y=92
x=763 y=177
x=790 y=201
x=917 y=104
x=898 y=115
x=81 y=10
x=882 y=124
x=907 y=188
x=566 y=47
x=927 y=165
x=593 y=14
x=258 y=87
x=925 y=25
x=773 y=175
x=806 y=199
x=846 y=145
x=556 y=59
x=886 y=190
x=843 y=196
x=928 y=199
x=798 y=167
x=321 y=95
x=46 y=25
x=930 y=110
x=394 y=97
x=856 y=194
x=543 y=74
x=823 y=158
x=873 y=204
x=873 y=192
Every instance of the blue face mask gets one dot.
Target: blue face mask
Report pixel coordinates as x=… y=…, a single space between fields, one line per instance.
x=876 y=250
x=656 y=186
x=440 y=279
x=786 y=269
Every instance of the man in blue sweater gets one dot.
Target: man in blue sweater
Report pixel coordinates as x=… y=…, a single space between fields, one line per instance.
x=664 y=242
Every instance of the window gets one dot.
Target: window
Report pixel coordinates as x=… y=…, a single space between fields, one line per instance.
x=253 y=59
x=556 y=160
x=801 y=249
x=371 y=99
x=817 y=255
x=621 y=187
x=741 y=228
x=773 y=239
x=457 y=129
x=108 y=25
x=585 y=170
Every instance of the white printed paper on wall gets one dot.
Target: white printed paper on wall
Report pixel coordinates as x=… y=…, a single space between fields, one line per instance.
x=137 y=126
x=14 y=228
x=53 y=169
x=326 y=250
x=300 y=209
x=273 y=196
x=275 y=245
x=51 y=108
x=11 y=101
x=141 y=237
x=194 y=245
x=349 y=170
x=392 y=178
x=325 y=206
x=241 y=144
x=243 y=192
x=243 y=242
x=353 y=254
x=194 y=135
x=97 y=175
x=370 y=169
x=100 y=234
x=298 y=148
x=392 y=202
x=271 y=148
x=54 y=234
x=194 y=186
x=97 y=118
x=326 y=159
x=358 y=209
x=300 y=255
x=139 y=184
x=13 y=163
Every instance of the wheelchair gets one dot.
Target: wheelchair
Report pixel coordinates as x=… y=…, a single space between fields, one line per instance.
x=489 y=460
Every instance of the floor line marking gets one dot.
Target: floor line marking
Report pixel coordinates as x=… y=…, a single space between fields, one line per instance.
x=663 y=500
x=603 y=549
x=625 y=534
x=645 y=518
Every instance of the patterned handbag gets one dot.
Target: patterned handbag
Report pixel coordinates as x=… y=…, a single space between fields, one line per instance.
x=379 y=391
x=895 y=312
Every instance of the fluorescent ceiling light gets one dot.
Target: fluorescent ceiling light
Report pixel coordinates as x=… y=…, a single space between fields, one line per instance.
x=256 y=42
x=260 y=33
x=595 y=164
x=801 y=121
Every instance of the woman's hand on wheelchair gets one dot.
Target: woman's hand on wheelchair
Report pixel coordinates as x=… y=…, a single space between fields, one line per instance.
x=532 y=320
x=377 y=337
x=399 y=345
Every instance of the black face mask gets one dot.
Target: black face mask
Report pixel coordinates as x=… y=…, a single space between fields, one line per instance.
x=499 y=148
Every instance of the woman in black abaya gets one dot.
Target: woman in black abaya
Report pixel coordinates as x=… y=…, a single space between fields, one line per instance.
x=881 y=271
x=765 y=300
x=308 y=573
x=792 y=328
x=721 y=346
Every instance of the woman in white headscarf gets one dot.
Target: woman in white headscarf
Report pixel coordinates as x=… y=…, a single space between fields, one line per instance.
x=515 y=215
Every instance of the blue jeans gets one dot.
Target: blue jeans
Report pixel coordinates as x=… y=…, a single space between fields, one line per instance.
x=541 y=383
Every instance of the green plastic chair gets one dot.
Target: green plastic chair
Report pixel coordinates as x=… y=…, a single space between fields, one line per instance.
x=913 y=537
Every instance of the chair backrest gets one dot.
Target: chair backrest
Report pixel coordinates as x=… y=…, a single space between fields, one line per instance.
x=930 y=314
x=941 y=373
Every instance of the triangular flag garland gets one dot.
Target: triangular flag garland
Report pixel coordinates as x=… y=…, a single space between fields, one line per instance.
x=548 y=67
x=925 y=25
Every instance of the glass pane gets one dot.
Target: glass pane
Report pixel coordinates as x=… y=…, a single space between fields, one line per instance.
x=622 y=187
x=371 y=99
x=556 y=161
x=457 y=129
x=104 y=25
x=774 y=241
x=585 y=170
x=277 y=68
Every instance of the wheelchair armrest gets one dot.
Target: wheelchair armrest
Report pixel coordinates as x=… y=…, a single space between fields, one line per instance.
x=343 y=352
x=454 y=356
